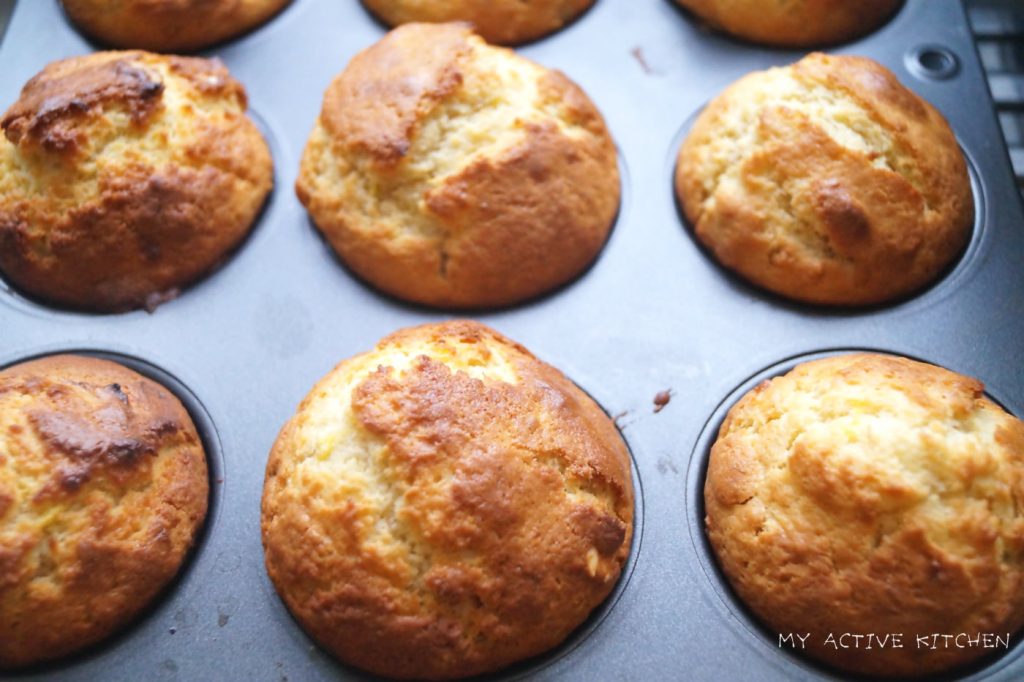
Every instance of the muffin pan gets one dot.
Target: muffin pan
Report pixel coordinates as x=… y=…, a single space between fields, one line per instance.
x=653 y=314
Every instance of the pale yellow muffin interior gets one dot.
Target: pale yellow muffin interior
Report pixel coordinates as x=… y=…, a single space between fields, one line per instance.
x=488 y=114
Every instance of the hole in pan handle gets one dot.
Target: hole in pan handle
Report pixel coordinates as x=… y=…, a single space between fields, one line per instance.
x=933 y=62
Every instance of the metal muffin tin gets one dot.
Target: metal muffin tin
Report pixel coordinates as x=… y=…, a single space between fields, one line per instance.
x=655 y=313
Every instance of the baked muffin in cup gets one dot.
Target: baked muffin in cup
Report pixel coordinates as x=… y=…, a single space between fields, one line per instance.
x=169 y=25
x=125 y=176
x=103 y=491
x=445 y=505
x=794 y=23
x=451 y=173
x=502 y=22
x=872 y=495
x=827 y=182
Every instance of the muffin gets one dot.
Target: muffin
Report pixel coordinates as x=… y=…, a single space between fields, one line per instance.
x=794 y=23
x=103 y=488
x=447 y=172
x=125 y=176
x=872 y=494
x=169 y=25
x=828 y=182
x=445 y=505
x=505 y=22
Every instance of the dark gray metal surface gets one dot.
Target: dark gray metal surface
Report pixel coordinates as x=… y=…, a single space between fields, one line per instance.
x=999 y=30
x=6 y=7
x=654 y=313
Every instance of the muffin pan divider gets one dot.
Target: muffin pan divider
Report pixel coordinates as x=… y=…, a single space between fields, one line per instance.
x=653 y=314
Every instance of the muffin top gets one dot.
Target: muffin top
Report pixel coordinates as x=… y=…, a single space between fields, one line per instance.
x=872 y=494
x=445 y=505
x=448 y=172
x=828 y=182
x=124 y=175
x=169 y=25
x=103 y=487
x=504 y=22
x=794 y=23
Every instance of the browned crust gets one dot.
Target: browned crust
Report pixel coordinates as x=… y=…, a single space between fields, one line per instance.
x=157 y=222
x=374 y=105
x=533 y=241
x=119 y=459
x=169 y=25
x=516 y=225
x=796 y=23
x=885 y=233
x=837 y=551
x=534 y=232
x=57 y=105
x=53 y=102
x=485 y=465
x=502 y=22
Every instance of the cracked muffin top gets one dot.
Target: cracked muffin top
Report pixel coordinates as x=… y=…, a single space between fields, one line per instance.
x=125 y=176
x=103 y=488
x=169 y=25
x=828 y=182
x=872 y=494
x=505 y=22
x=445 y=505
x=794 y=23
x=448 y=172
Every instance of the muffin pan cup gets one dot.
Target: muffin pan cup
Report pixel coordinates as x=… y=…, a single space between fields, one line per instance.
x=653 y=314
x=746 y=625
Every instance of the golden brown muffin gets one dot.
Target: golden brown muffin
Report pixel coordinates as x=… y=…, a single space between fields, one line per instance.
x=451 y=173
x=504 y=22
x=103 y=488
x=124 y=175
x=827 y=181
x=445 y=505
x=872 y=494
x=794 y=23
x=169 y=25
